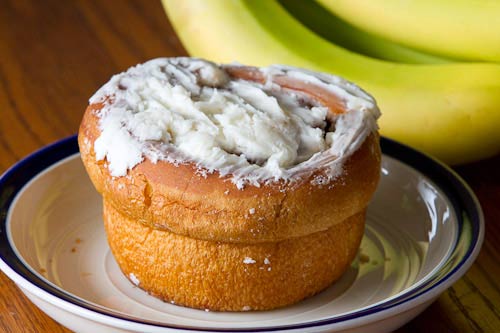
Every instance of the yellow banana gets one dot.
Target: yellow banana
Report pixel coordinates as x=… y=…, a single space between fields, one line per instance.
x=462 y=29
x=336 y=30
x=451 y=111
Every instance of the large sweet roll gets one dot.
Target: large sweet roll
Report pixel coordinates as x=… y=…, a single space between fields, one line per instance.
x=229 y=187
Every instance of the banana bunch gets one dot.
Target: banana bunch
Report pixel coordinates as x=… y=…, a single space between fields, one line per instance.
x=448 y=109
x=461 y=29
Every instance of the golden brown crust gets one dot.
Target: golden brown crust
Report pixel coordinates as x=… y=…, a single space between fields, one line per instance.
x=213 y=275
x=177 y=199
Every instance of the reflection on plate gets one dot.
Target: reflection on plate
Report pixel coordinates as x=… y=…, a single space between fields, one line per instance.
x=424 y=229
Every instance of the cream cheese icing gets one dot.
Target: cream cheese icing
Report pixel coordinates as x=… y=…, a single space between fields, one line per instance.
x=185 y=110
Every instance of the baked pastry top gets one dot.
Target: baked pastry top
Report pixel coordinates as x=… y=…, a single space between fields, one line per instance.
x=232 y=153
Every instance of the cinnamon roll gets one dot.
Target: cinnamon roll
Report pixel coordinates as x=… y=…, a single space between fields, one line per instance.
x=220 y=180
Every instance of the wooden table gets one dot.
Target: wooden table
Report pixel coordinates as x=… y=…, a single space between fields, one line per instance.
x=54 y=54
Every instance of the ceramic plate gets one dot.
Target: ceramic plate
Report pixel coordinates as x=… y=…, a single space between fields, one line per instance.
x=424 y=229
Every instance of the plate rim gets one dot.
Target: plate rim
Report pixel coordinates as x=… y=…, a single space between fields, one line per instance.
x=461 y=197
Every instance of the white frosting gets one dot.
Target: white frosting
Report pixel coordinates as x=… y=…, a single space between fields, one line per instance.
x=248 y=261
x=188 y=110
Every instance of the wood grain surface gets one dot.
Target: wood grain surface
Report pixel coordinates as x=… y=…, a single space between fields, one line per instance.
x=54 y=54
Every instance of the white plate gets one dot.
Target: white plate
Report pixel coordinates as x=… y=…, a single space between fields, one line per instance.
x=424 y=229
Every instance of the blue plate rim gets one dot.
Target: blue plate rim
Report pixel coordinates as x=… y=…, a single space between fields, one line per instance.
x=458 y=192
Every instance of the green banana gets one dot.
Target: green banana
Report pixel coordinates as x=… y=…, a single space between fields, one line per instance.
x=451 y=111
x=460 y=29
x=336 y=30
